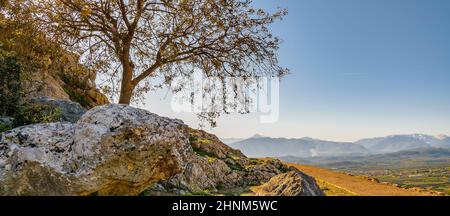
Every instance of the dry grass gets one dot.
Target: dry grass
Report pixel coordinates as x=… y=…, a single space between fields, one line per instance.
x=333 y=190
x=341 y=184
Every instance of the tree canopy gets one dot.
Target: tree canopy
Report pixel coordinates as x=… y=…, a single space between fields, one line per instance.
x=135 y=42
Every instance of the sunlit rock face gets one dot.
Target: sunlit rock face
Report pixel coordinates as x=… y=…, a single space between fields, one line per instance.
x=293 y=183
x=111 y=150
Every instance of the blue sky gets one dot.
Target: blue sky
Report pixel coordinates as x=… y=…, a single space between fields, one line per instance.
x=359 y=68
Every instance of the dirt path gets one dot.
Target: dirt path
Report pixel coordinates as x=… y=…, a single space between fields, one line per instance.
x=356 y=184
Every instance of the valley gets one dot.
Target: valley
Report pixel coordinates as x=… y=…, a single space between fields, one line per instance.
x=393 y=165
x=419 y=168
x=437 y=179
x=335 y=183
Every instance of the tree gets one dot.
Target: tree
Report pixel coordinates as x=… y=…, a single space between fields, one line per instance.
x=134 y=40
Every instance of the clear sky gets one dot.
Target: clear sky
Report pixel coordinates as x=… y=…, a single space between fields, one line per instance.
x=360 y=68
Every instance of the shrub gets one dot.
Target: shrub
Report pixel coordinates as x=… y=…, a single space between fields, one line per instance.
x=202 y=153
x=235 y=166
x=74 y=82
x=77 y=97
x=4 y=127
x=10 y=76
x=32 y=113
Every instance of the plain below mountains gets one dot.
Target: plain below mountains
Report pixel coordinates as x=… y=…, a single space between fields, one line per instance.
x=262 y=146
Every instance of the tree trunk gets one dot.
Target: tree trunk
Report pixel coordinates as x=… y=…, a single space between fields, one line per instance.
x=125 y=95
x=126 y=88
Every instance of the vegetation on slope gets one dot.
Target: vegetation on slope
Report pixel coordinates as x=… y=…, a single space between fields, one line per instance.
x=45 y=68
x=13 y=104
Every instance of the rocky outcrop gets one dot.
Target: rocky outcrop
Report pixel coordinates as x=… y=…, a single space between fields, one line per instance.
x=64 y=79
x=111 y=150
x=70 y=111
x=121 y=150
x=293 y=183
x=217 y=168
x=44 y=85
x=95 y=96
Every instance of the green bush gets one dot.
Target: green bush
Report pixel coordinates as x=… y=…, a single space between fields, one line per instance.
x=236 y=166
x=202 y=153
x=12 y=102
x=10 y=90
x=77 y=97
x=4 y=127
x=72 y=81
x=32 y=113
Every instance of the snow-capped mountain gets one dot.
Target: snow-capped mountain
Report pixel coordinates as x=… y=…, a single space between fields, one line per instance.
x=397 y=143
x=263 y=146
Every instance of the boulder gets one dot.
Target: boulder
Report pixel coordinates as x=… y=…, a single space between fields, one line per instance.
x=120 y=150
x=111 y=150
x=293 y=183
x=70 y=111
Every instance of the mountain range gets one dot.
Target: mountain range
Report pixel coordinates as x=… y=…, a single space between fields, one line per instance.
x=263 y=146
x=414 y=158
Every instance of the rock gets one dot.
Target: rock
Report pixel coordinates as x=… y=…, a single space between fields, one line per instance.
x=293 y=183
x=209 y=143
x=43 y=84
x=96 y=97
x=121 y=150
x=66 y=80
x=111 y=150
x=218 y=168
x=70 y=111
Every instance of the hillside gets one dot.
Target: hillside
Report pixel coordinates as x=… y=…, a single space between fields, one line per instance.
x=337 y=183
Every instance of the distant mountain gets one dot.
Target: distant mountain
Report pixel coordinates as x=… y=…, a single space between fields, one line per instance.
x=397 y=143
x=229 y=141
x=422 y=157
x=260 y=146
x=263 y=146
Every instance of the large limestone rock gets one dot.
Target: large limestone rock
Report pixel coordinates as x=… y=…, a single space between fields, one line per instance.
x=293 y=183
x=121 y=150
x=111 y=150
